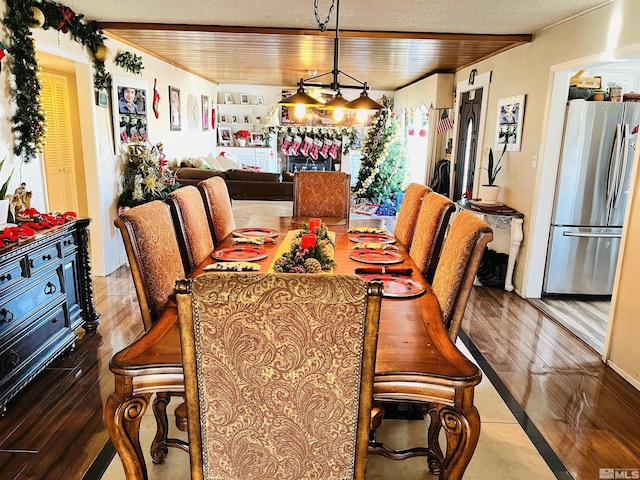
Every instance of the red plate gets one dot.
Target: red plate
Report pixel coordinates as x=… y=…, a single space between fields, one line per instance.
x=371 y=238
x=371 y=255
x=396 y=287
x=240 y=254
x=255 y=232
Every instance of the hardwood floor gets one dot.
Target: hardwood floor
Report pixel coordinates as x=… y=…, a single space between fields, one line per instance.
x=585 y=411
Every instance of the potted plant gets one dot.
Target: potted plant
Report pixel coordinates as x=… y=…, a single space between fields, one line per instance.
x=4 y=203
x=489 y=192
x=242 y=136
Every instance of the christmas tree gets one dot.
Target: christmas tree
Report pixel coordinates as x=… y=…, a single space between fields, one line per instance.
x=382 y=171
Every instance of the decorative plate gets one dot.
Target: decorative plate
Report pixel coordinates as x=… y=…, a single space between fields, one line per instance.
x=395 y=287
x=381 y=257
x=240 y=254
x=255 y=232
x=372 y=238
x=488 y=204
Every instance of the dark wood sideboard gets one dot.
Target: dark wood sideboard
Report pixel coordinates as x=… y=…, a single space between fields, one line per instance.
x=45 y=295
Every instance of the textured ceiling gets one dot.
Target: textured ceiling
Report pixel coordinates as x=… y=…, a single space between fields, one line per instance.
x=386 y=43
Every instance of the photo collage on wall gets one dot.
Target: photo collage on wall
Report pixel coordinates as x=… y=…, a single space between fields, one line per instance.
x=132 y=113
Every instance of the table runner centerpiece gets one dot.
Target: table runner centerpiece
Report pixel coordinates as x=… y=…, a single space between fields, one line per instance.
x=299 y=254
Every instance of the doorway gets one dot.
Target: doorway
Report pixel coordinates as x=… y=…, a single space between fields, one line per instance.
x=467 y=143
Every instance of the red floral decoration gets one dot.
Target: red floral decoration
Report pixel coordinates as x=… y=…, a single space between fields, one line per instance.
x=422 y=132
x=412 y=132
x=242 y=134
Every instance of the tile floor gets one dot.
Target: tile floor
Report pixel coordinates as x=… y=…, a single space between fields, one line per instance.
x=504 y=450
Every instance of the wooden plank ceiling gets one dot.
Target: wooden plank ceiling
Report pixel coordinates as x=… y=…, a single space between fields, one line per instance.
x=280 y=56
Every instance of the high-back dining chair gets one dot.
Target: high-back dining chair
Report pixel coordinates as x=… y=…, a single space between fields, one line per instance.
x=428 y=236
x=218 y=206
x=278 y=372
x=408 y=214
x=321 y=194
x=191 y=225
x=460 y=258
x=154 y=256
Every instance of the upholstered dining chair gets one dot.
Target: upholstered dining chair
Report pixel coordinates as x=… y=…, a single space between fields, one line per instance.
x=463 y=247
x=278 y=372
x=460 y=258
x=154 y=258
x=408 y=214
x=428 y=236
x=191 y=225
x=218 y=206
x=321 y=194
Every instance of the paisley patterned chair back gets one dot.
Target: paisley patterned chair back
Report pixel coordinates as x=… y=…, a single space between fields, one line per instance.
x=154 y=256
x=278 y=373
x=218 y=206
x=321 y=194
x=191 y=226
x=458 y=265
x=428 y=236
x=408 y=214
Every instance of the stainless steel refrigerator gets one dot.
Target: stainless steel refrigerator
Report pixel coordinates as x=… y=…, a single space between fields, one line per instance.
x=591 y=197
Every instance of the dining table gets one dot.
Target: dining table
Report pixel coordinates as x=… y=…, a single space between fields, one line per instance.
x=416 y=361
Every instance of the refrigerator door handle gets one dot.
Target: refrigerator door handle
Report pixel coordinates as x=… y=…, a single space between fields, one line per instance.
x=591 y=235
x=614 y=162
x=625 y=161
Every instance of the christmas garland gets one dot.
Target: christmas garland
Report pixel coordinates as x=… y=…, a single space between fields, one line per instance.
x=29 y=122
x=349 y=133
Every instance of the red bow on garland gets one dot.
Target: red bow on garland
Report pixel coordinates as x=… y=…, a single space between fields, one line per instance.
x=67 y=16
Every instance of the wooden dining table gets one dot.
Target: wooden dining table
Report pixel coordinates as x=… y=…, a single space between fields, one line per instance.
x=416 y=363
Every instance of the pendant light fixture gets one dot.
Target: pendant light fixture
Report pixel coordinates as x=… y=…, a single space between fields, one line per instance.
x=337 y=102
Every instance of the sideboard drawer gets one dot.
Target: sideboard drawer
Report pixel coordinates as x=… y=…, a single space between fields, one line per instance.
x=43 y=257
x=11 y=272
x=23 y=303
x=33 y=346
x=69 y=242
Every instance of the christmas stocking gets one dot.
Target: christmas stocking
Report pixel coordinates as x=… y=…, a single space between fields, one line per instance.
x=156 y=99
x=317 y=143
x=286 y=143
x=335 y=148
x=306 y=146
x=295 y=146
x=326 y=145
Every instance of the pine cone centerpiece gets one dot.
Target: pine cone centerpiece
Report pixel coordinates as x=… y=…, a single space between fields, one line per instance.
x=297 y=269
x=311 y=265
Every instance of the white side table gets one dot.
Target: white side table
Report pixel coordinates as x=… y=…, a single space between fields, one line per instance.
x=500 y=218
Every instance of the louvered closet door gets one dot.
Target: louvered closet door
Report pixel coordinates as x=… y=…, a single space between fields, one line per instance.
x=58 y=150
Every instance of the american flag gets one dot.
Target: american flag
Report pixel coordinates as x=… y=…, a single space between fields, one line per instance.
x=444 y=123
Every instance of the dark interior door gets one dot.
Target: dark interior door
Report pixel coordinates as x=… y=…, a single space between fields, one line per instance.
x=468 y=127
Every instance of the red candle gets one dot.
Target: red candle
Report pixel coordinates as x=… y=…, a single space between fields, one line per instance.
x=314 y=223
x=308 y=240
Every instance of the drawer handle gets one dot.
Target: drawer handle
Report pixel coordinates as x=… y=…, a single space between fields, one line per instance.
x=12 y=361
x=46 y=257
x=5 y=277
x=6 y=316
x=67 y=242
x=49 y=288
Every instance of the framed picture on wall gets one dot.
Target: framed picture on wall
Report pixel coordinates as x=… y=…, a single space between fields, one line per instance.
x=205 y=112
x=509 y=123
x=224 y=136
x=130 y=109
x=228 y=98
x=174 y=109
x=257 y=139
x=244 y=99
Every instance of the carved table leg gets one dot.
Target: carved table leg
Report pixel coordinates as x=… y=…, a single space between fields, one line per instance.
x=516 y=240
x=159 y=448
x=462 y=431
x=436 y=458
x=123 y=417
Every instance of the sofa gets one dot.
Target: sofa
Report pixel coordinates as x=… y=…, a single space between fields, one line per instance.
x=243 y=184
